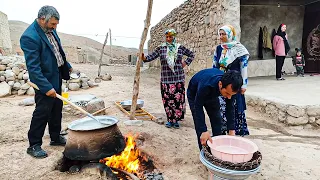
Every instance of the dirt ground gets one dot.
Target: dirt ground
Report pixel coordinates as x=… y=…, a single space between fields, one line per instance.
x=288 y=153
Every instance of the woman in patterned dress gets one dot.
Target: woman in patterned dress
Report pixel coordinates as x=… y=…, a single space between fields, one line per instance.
x=232 y=55
x=172 y=76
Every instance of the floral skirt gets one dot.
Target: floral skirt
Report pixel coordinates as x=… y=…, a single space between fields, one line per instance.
x=241 y=127
x=173 y=98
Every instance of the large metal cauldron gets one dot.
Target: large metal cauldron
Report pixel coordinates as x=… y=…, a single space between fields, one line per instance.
x=90 y=140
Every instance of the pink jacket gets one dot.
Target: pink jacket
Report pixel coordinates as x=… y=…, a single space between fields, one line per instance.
x=278 y=46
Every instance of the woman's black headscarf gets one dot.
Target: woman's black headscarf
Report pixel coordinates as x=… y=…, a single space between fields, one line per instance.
x=283 y=35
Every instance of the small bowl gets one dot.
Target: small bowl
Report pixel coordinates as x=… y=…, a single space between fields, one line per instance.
x=232 y=148
x=127 y=104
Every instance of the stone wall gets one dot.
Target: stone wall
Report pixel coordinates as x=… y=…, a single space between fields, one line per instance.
x=267 y=67
x=5 y=41
x=289 y=114
x=14 y=77
x=253 y=16
x=196 y=22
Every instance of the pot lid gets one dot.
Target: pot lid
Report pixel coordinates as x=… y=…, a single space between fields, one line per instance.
x=87 y=123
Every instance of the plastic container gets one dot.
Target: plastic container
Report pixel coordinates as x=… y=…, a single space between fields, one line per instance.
x=219 y=173
x=65 y=94
x=232 y=148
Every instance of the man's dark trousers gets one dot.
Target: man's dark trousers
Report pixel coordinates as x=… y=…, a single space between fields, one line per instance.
x=48 y=110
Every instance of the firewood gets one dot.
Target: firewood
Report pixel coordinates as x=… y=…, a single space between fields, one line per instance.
x=133 y=177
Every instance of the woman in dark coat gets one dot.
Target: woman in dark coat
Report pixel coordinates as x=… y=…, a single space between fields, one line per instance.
x=281 y=48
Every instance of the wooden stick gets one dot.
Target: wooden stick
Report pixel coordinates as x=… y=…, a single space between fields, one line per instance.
x=110 y=59
x=133 y=177
x=101 y=55
x=123 y=110
x=66 y=100
x=139 y=59
x=99 y=111
x=150 y=115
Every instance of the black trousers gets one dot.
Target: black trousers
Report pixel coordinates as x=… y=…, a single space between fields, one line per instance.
x=212 y=106
x=279 y=65
x=48 y=111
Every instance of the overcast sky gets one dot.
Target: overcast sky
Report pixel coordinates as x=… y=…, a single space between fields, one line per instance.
x=94 y=17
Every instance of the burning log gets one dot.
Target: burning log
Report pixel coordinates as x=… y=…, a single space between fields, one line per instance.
x=132 y=176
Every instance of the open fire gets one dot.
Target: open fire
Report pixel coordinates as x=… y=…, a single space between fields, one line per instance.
x=131 y=163
x=129 y=160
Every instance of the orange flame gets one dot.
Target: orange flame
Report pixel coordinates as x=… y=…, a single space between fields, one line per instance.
x=128 y=160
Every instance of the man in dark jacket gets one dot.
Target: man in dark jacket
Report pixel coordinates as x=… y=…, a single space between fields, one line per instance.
x=203 y=91
x=47 y=66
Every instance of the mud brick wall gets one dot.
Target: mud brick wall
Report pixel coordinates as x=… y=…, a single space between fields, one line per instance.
x=196 y=22
x=5 y=41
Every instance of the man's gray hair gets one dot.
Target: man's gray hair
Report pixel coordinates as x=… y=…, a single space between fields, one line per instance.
x=48 y=12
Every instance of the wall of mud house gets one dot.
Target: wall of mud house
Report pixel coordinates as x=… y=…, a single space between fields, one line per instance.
x=5 y=41
x=270 y=13
x=256 y=14
x=196 y=22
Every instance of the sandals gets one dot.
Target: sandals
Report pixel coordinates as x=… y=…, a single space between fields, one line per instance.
x=174 y=125
x=169 y=124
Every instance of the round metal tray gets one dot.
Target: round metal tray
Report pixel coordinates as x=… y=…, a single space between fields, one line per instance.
x=87 y=123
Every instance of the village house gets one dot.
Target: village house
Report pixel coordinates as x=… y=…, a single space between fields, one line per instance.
x=197 y=21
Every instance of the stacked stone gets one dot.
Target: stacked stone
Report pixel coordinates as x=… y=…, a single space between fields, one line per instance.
x=13 y=76
x=88 y=102
x=289 y=114
x=78 y=81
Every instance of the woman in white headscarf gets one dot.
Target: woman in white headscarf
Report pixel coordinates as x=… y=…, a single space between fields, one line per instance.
x=172 y=76
x=232 y=55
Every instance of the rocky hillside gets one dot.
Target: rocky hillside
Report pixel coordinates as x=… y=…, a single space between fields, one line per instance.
x=89 y=47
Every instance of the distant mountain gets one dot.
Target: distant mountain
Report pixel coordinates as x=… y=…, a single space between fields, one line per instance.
x=74 y=45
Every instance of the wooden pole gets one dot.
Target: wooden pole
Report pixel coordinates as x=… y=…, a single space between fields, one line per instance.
x=101 y=55
x=139 y=59
x=110 y=59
